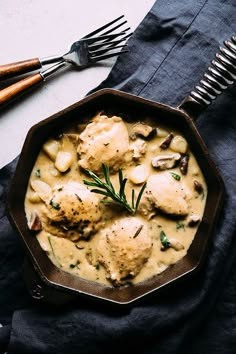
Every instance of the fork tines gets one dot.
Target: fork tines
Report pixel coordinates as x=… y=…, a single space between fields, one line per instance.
x=101 y=29
x=104 y=41
x=98 y=50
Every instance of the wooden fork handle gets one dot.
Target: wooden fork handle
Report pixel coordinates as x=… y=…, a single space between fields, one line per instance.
x=13 y=91
x=21 y=67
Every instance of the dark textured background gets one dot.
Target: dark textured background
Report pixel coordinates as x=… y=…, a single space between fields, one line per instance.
x=169 y=52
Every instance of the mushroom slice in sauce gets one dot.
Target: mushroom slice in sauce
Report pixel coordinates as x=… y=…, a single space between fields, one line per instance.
x=194 y=220
x=138 y=148
x=34 y=222
x=143 y=130
x=164 y=162
x=175 y=244
x=166 y=143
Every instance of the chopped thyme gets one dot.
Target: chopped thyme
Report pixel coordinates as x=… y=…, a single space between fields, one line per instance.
x=78 y=197
x=55 y=205
x=180 y=225
x=138 y=231
x=60 y=189
x=72 y=266
x=175 y=176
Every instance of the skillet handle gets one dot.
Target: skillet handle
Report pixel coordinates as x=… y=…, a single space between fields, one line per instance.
x=219 y=76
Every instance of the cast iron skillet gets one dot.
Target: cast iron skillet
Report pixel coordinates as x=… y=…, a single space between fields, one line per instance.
x=48 y=283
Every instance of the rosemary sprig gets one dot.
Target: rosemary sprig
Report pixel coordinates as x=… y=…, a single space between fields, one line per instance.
x=107 y=189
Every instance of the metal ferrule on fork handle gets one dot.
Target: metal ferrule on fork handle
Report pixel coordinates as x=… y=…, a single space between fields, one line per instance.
x=50 y=71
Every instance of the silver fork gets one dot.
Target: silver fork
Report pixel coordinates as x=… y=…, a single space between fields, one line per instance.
x=87 y=51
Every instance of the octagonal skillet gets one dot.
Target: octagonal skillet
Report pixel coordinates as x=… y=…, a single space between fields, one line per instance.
x=48 y=283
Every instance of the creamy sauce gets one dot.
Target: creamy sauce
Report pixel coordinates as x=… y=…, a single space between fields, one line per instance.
x=79 y=256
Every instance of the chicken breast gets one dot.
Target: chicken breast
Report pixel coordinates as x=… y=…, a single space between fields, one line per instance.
x=71 y=210
x=165 y=193
x=124 y=248
x=105 y=140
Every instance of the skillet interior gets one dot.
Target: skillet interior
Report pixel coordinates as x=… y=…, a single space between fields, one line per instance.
x=131 y=108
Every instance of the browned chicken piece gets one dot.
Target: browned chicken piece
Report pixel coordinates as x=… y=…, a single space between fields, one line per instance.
x=165 y=193
x=105 y=140
x=124 y=248
x=70 y=209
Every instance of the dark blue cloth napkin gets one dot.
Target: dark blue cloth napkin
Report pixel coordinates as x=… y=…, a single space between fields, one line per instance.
x=169 y=52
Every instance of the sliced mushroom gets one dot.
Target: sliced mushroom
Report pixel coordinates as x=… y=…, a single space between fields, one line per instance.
x=165 y=162
x=175 y=244
x=194 y=220
x=198 y=186
x=183 y=165
x=34 y=223
x=143 y=130
x=166 y=143
x=179 y=144
x=139 y=149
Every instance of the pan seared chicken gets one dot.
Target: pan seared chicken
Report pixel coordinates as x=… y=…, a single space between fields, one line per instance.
x=124 y=248
x=165 y=193
x=105 y=140
x=69 y=210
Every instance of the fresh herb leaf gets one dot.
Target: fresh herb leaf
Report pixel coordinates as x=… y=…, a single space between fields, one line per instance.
x=52 y=249
x=78 y=197
x=180 y=225
x=164 y=240
x=140 y=196
x=54 y=205
x=138 y=231
x=175 y=176
x=106 y=188
x=72 y=266
x=38 y=173
x=60 y=189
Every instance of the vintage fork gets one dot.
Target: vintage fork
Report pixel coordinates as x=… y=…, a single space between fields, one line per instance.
x=87 y=51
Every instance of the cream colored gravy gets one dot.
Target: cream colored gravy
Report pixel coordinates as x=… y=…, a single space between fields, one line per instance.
x=79 y=257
